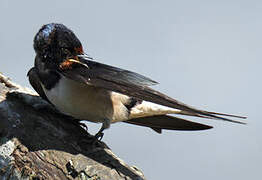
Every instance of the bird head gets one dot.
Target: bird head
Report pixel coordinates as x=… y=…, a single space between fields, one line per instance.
x=55 y=44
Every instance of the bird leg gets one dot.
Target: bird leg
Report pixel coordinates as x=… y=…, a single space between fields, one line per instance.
x=99 y=135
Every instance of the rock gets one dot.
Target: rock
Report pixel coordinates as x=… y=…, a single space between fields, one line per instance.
x=37 y=142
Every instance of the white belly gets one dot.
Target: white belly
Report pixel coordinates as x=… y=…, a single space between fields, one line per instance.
x=81 y=101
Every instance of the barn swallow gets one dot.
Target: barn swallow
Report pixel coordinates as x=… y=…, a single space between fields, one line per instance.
x=88 y=90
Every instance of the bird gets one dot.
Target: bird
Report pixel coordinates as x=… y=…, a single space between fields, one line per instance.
x=85 y=89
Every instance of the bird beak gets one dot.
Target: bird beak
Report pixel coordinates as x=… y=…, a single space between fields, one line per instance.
x=77 y=60
x=83 y=57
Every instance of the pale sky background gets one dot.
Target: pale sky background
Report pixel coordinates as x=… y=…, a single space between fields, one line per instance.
x=204 y=53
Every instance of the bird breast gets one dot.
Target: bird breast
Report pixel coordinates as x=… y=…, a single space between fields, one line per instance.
x=80 y=100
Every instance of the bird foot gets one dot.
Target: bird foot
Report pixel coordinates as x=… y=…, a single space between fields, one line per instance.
x=83 y=125
x=99 y=136
x=73 y=121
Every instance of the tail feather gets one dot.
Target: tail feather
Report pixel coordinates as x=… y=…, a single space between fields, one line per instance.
x=150 y=109
x=159 y=122
x=215 y=113
x=229 y=115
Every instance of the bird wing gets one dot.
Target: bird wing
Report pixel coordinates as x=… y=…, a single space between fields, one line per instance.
x=85 y=70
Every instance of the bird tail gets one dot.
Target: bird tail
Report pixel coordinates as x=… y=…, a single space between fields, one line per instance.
x=155 y=116
x=159 y=122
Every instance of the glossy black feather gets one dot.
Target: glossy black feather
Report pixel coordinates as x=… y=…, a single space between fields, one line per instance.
x=111 y=73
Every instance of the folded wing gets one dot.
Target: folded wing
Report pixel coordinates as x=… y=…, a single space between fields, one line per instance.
x=131 y=84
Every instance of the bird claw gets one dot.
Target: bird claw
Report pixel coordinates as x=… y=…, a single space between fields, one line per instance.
x=99 y=136
x=83 y=125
